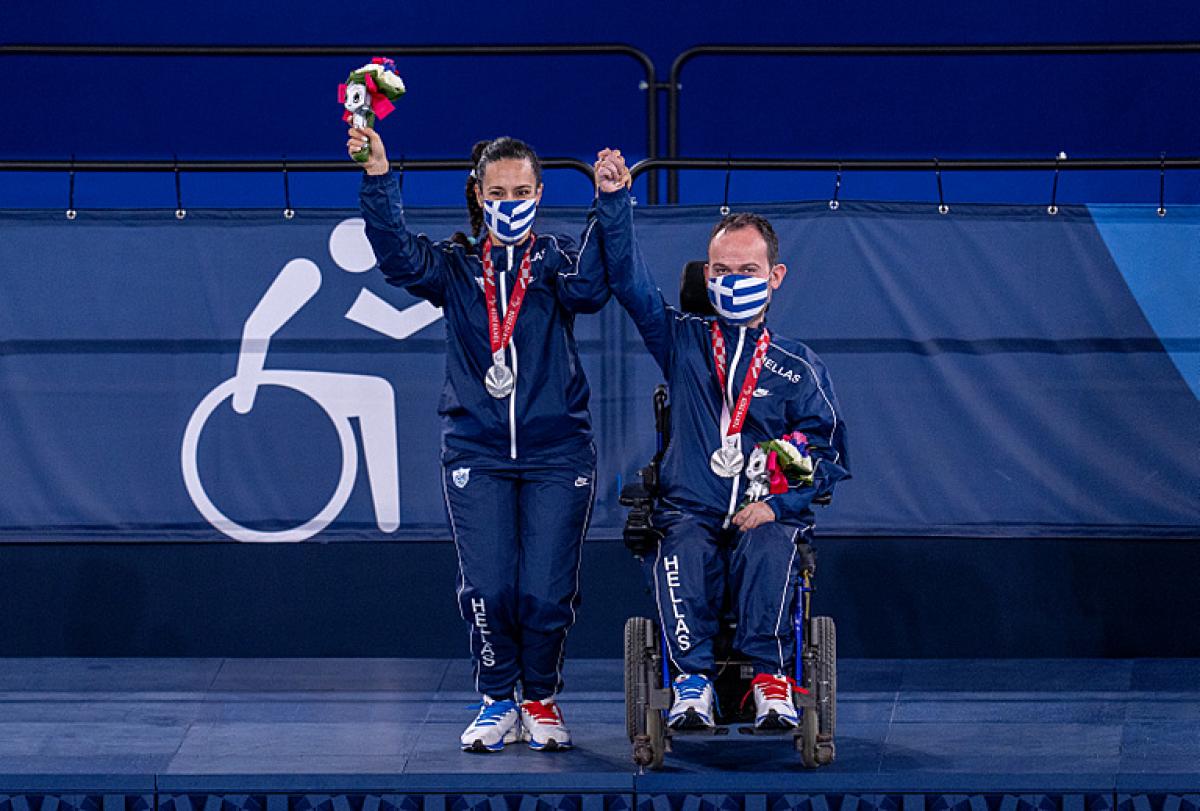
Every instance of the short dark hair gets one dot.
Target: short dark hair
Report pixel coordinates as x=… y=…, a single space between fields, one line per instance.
x=746 y=219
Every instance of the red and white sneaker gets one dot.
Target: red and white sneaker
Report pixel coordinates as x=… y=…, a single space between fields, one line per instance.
x=773 y=705
x=543 y=726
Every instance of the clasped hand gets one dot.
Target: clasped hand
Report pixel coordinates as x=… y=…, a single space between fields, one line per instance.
x=611 y=171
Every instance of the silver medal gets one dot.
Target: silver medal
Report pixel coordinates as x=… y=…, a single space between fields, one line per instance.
x=727 y=461
x=499 y=381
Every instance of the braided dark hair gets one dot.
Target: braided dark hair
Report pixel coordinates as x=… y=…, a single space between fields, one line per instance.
x=482 y=154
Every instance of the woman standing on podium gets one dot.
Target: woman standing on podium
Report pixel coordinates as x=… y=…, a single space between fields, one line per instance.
x=518 y=462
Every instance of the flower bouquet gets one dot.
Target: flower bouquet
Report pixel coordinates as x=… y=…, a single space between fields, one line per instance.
x=777 y=465
x=367 y=94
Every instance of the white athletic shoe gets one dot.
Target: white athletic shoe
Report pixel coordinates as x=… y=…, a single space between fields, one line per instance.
x=498 y=723
x=693 y=707
x=543 y=726
x=773 y=706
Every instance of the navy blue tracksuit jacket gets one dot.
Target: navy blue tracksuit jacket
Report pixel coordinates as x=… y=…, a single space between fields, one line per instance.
x=518 y=472
x=699 y=558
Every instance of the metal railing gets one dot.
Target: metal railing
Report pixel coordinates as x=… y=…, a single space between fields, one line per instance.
x=674 y=85
x=935 y=165
x=282 y=165
x=914 y=164
x=649 y=86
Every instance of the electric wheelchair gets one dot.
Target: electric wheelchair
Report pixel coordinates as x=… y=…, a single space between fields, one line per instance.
x=648 y=694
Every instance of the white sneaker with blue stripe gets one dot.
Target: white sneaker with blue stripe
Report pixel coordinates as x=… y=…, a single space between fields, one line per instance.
x=498 y=723
x=693 y=707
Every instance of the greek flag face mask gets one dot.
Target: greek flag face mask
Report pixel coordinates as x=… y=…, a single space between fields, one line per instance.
x=738 y=298
x=509 y=220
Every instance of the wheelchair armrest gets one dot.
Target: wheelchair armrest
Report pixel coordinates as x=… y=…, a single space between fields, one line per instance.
x=634 y=494
x=807 y=557
x=643 y=490
x=640 y=535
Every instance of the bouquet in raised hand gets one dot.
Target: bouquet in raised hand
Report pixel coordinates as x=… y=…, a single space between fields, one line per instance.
x=777 y=465
x=367 y=94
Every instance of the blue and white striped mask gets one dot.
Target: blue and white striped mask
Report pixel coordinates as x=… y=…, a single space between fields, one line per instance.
x=738 y=298
x=509 y=220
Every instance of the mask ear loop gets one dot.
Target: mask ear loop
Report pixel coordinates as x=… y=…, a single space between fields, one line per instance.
x=1052 y=209
x=180 y=212
x=937 y=170
x=834 y=205
x=71 y=213
x=288 y=211
x=1162 y=184
x=728 y=171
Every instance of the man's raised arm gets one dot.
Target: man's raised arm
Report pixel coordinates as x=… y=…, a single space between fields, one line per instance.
x=625 y=267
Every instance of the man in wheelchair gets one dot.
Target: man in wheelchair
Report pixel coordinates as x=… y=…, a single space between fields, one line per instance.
x=756 y=437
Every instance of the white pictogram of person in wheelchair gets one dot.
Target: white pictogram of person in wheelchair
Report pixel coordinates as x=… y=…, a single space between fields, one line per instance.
x=367 y=398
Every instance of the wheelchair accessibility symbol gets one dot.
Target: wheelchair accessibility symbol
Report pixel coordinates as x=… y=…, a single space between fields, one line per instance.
x=343 y=397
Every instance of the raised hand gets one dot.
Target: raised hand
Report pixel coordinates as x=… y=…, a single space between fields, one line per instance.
x=611 y=172
x=377 y=164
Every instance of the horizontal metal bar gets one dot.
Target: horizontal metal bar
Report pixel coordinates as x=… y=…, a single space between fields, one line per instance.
x=933 y=49
x=425 y=165
x=45 y=49
x=915 y=165
x=641 y=167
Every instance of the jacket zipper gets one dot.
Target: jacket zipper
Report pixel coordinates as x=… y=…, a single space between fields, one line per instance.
x=729 y=378
x=512 y=345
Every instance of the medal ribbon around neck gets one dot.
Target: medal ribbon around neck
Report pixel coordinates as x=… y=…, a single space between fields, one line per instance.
x=742 y=408
x=501 y=335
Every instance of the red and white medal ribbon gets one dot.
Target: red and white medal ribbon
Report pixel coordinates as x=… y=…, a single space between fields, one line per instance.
x=727 y=461
x=499 y=380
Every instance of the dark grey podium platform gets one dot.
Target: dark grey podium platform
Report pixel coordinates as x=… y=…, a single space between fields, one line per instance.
x=381 y=735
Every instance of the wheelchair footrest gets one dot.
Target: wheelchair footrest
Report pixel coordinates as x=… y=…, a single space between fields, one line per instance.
x=723 y=730
x=804 y=701
x=660 y=698
x=699 y=733
x=750 y=729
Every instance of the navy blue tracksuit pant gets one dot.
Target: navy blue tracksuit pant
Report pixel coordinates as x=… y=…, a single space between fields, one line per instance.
x=518 y=531
x=699 y=564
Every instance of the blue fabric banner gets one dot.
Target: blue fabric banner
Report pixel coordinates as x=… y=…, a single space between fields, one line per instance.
x=236 y=375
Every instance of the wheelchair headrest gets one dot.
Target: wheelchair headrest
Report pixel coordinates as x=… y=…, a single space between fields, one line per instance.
x=693 y=297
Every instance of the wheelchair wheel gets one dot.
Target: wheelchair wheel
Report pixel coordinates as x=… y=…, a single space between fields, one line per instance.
x=643 y=723
x=824 y=636
x=816 y=739
x=806 y=739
